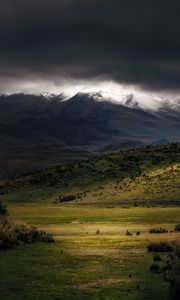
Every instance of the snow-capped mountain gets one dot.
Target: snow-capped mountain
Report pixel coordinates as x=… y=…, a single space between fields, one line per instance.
x=144 y=101
x=87 y=118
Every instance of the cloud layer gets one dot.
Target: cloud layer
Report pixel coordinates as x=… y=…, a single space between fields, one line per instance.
x=127 y=41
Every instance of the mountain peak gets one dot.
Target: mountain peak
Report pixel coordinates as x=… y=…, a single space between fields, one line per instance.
x=130 y=99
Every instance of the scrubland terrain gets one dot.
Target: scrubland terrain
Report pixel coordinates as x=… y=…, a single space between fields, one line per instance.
x=88 y=206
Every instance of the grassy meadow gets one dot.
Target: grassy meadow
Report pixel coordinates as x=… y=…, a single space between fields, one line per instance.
x=92 y=257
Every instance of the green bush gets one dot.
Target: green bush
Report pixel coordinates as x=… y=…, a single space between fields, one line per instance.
x=13 y=234
x=160 y=247
x=158 y=230
x=3 y=209
x=67 y=198
x=157 y=257
x=170 y=272
x=177 y=227
x=154 y=268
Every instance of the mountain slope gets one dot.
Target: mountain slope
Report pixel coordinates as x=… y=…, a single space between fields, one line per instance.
x=81 y=120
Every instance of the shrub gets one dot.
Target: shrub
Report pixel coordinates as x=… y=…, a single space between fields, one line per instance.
x=154 y=268
x=158 y=230
x=128 y=233
x=177 y=227
x=157 y=257
x=138 y=233
x=67 y=198
x=171 y=273
x=3 y=209
x=30 y=234
x=160 y=247
x=13 y=234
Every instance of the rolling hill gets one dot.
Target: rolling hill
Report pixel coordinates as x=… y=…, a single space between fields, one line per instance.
x=144 y=176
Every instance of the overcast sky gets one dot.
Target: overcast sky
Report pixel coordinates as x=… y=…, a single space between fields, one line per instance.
x=45 y=44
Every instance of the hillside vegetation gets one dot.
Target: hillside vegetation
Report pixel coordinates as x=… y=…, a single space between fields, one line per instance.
x=94 y=210
x=144 y=176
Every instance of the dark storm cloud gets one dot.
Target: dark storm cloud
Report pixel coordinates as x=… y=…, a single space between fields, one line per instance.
x=130 y=41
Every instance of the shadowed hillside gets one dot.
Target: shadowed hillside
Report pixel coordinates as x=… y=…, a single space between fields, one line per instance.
x=143 y=176
x=82 y=120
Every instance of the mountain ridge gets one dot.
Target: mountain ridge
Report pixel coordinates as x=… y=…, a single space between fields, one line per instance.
x=81 y=120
